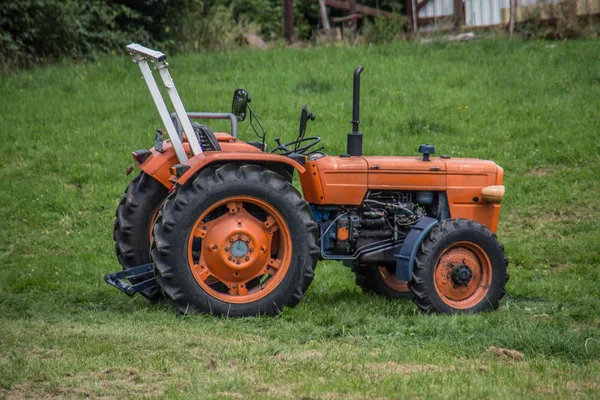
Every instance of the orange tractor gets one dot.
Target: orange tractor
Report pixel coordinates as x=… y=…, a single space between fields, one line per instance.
x=215 y=225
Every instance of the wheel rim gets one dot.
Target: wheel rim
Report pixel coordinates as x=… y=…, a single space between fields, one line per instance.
x=391 y=281
x=239 y=249
x=463 y=275
x=152 y=220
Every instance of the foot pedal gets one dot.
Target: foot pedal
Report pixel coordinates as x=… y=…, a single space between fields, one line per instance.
x=143 y=271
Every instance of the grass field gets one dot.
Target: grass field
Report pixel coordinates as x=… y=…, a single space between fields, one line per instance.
x=67 y=132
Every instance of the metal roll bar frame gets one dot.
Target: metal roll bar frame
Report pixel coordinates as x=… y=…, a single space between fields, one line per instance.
x=141 y=56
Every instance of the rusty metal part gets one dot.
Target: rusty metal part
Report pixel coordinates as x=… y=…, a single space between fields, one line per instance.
x=391 y=281
x=463 y=275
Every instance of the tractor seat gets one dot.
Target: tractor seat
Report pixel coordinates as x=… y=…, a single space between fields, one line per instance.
x=206 y=137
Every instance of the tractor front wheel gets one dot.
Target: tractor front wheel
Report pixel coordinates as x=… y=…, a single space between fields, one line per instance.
x=238 y=240
x=379 y=280
x=460 y=267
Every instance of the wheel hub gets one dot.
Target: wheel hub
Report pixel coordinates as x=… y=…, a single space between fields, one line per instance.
x=461 y=274
x=239 y=249
x=236 y=247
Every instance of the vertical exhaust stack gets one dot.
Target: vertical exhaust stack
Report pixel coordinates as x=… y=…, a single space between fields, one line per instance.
x=355 y=137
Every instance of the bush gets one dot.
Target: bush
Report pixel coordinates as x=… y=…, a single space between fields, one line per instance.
x=215 y=29
x=382 y=30
x=35 y=31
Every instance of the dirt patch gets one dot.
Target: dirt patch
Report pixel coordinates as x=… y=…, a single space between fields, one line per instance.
x=345 y=396
x=541 y=171
x=394 y=368
x=505 y=353
x=580 y=386
x=280 y=391
x=230 y=395
x=311 y=355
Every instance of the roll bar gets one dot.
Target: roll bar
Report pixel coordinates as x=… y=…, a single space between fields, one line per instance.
x=141 y=56
x=207 y=115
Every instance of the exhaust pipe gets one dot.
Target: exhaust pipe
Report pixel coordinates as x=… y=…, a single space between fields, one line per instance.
x=355 y=137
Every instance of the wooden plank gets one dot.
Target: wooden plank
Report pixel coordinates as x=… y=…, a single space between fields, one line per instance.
x=459 y=14
x=324 y=18
x=353 y=12
x=344 y=5
x=288 y=21
x=337 y=20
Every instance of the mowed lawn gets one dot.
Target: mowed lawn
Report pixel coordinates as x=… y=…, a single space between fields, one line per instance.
x=533 y=107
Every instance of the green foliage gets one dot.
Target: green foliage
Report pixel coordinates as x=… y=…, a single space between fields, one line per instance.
x=34 y=31
x=215 y=29
x=267 y=14
x=39 y=31
x=383 y=30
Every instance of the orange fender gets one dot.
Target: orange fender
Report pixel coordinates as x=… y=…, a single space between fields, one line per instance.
x=158 y=164
x=210 y=157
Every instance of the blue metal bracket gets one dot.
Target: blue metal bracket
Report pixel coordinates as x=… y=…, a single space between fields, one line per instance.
x=145 y=271
x=405 y=258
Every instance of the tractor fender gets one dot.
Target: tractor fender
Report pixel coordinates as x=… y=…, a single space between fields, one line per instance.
x=211 y=157
x=405 y=258
x=157 y=165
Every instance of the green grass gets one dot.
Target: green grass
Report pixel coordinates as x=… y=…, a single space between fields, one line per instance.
x=67 y=132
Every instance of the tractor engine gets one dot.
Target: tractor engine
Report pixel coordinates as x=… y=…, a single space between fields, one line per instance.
x=371 y=232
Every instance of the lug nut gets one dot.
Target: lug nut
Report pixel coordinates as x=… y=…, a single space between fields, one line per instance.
x=240 y=237
x=238 y=262
x=230 y=258
x=247 y=258
x=251 y=249
x=230 y=240
x=226 y=248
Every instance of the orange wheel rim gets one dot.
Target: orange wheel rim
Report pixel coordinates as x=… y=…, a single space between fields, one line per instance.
x=391 y=281
x=463 y=275
x=152 y=220
x=239 y=249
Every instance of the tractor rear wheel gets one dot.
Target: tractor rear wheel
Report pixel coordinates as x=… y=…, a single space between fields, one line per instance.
x=133 y=224
x=237 y=240
x=380 y=281
x=459 y=268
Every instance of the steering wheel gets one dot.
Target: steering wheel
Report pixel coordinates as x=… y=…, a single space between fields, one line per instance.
x=295 y=146
x=301 y=144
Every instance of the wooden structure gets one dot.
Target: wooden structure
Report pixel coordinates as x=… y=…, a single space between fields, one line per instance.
x=454 y=13
x=489 y=13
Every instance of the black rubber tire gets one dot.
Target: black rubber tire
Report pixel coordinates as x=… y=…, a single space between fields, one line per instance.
x=370 y=281
x=131 y=233
x=443 y=235
x=185 y=205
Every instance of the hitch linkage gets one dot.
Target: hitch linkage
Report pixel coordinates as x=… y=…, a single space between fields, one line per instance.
x=145 y=271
